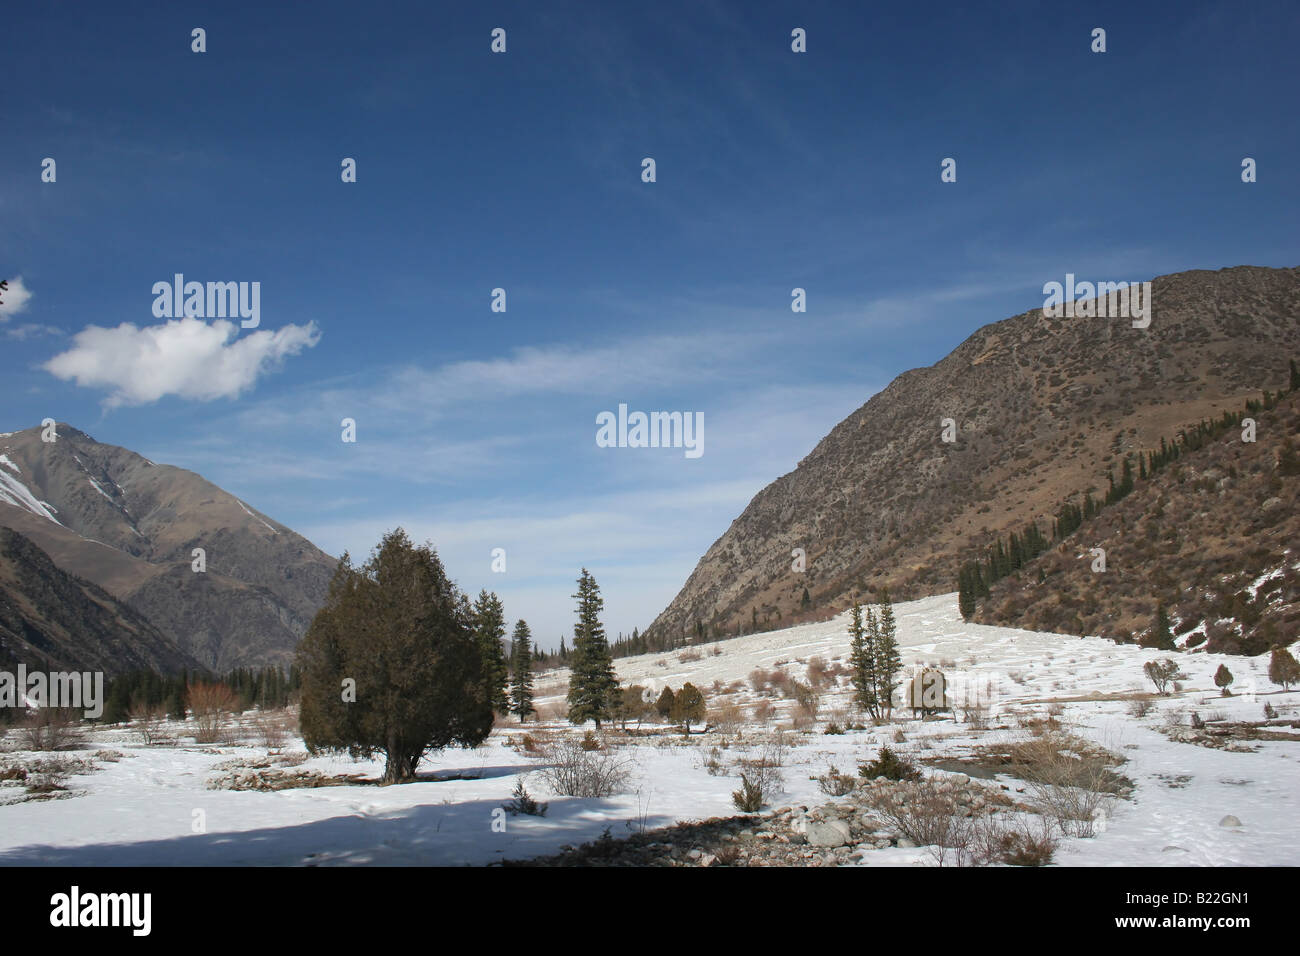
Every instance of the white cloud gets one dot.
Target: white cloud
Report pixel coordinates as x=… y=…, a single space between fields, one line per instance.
x=31 y=331
x=185 y=357
x=14 y=299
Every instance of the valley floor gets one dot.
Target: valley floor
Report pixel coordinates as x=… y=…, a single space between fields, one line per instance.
x=141 y=808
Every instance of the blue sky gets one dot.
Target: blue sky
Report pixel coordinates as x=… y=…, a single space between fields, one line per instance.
x=521 y=170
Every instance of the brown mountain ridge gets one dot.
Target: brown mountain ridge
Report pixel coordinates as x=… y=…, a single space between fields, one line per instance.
x=1042 y=406
x=111 y=516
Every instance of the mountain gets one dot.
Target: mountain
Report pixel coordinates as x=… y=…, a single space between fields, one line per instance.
x=110 y=516
x=51 y=618
x=1042 y=406
x=1214 y=537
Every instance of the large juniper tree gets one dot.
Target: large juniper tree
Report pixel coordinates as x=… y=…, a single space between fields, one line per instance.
x=490 y=631
x=521 y=673
x=390 y=665
x=592 y=684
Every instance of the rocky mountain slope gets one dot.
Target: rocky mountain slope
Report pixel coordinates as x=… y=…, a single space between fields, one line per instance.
x=49 y=618
x=1042 y=407
x=110 y=516
x=1214 y=538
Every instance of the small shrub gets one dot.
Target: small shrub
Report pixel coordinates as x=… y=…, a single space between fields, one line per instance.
x=836 y=784
x=523 y=802
x=1139 y=707
x=749 y=798
x=575 y=771
x=833 y=728
x=590 y=742
x=890 y=766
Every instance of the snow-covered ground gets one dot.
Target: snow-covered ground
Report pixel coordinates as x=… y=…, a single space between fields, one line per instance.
x=142 y=809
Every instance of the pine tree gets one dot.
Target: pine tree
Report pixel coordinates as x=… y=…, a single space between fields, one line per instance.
x=862 y=659
x=593 y=682
x=521 y=677
x=965 y=593
x=1161 y=636
x=1295 y=376
x=489 y=631
x=805 y=602
x=888 y=660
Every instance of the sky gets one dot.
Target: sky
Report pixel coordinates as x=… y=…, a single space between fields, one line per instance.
x=523 y=170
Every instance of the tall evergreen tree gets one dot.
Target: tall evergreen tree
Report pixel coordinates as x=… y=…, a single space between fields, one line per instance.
x=521 y=676
x=490 y=631
x=888 y=660
x=965 y=593
x=592 y=683
x=862 y=662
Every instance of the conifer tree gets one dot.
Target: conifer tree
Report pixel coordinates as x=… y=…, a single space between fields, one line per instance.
x=489 y=631
x=521 y=676
x=888 y=660
x=664 y=705
x=862 y=658
x=1222 y=678
x=1161 y=636
x=688 y=706
x=390 y=665
x=1282 y=667
x=965 y=593
x=593 y=682
x=805 y=602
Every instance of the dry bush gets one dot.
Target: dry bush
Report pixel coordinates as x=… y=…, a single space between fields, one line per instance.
x=763 y=711
x=726 y=716
x=149 y=722
x=211 y=706
x=836 y=784
x=762 y=776
x=50 y=728
x=927 y=813
x=1139 y=707
x=574 y=771
x=1012 y=840
x=274 y=727
x=817 y=678
x=688 y=657
x=1069 y=778
x=806 y=699
x=975 y=713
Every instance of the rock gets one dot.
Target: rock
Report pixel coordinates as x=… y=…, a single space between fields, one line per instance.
x=1229 y=821
x=1174 y=849
x=831 y=833
x=905 y=844
x=695 y=854
x=708 y=859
